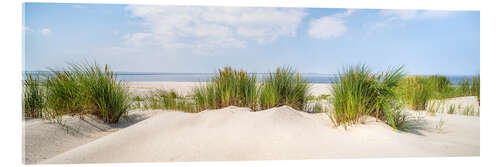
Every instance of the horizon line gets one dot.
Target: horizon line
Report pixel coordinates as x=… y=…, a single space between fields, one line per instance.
x=206 y=73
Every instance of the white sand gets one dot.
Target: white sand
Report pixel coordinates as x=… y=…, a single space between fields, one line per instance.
x=44 y=139
x=238 y=134
x=461 y=104
x=280 y=133
x=144 y=88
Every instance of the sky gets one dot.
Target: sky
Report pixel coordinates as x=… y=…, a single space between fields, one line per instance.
x=201 y=39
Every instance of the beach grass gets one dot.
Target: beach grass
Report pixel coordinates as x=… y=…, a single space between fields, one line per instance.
x=65 y=94
x=317 y=98
x=452 y=109
x=441 y=87
x=318 y=108
x=169 y=100
x=439 y=126
x=283 y=87
x=316 y=104
x=470 y=87
x=358 y=92
x=434 y=106
x=87 y=89
x=106 y=95
x=33 y=97
x=416 y=91
x=204 y=96
x=476 y=88
x=238 y=88
x=469 y=111
x=229 y=87
x=399 y=120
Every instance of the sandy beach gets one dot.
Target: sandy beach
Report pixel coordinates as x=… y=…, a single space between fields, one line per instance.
x=235 y=134
x=186 y=88
x=127 y=82
x=44 y=139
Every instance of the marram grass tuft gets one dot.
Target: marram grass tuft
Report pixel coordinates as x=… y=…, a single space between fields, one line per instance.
x=87 y=89
x=229 y=87
x=358 y=92
x=283 y=87
x=33 y=97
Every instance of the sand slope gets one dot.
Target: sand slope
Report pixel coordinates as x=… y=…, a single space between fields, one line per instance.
x=280 y=133
x=460 y=104
x=43 y=139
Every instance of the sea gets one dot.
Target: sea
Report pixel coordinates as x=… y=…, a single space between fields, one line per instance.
x=202 y=77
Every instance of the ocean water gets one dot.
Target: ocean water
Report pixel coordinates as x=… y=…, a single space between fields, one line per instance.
x=196 y=77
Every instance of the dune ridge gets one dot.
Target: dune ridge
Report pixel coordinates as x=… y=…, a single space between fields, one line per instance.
x=235 y=133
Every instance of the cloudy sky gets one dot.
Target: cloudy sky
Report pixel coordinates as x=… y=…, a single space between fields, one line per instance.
x=137 y=38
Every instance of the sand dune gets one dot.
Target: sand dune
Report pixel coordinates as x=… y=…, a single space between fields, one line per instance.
x=461 y=104
x=43 y=139
x=235 y=133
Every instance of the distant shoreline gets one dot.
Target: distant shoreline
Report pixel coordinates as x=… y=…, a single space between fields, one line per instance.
x=203 y=77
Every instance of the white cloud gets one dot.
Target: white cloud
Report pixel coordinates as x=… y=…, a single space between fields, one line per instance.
x=397 y=17
x=137 y=39
x=329 y=26
x=45 y=31
x=399 y=14
x=212 y=27
x=27 y=29
x=78 y=6
x=429 y=14
x=348 y=12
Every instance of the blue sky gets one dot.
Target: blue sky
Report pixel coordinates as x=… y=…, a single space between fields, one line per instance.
x=137 y=38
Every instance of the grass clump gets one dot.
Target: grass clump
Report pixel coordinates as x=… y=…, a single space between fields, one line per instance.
x=229 y=87
x=236 y=87
x=283 y=87
x=399 y=120
x=470 y=87
x=33 y=97
x=105 y=94
x=318 y=108
x=87 y=89
x=416 y=91
x=469 y=111
x=451 y=109
x=65 y=94
x=358 y=92
x=138 y=102
x=439 y=126
x=441 y=87
x=434 y=106
x=314 y=106
x=323 y=97
x=169 y=100
x=440 y=83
